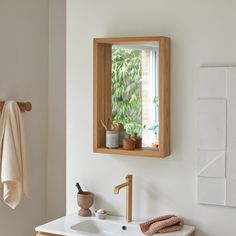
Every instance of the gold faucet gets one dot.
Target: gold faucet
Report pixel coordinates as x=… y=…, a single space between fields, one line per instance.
x=129 y=185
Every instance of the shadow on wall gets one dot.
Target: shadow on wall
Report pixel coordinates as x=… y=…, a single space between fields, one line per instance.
x=99 y=201
x=199 y=232
x=153 y=199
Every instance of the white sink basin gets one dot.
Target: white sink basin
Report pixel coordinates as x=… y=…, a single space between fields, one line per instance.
x=108 y=227
x=74 y=225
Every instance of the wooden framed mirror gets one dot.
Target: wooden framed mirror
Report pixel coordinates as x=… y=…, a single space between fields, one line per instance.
x=132 y=86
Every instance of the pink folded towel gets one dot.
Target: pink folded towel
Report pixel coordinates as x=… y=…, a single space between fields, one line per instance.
x=162 y=224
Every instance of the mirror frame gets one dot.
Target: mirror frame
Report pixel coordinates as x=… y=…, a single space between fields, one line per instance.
x=102 y=105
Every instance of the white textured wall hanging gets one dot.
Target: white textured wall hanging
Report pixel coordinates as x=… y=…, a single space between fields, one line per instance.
x=217 y=136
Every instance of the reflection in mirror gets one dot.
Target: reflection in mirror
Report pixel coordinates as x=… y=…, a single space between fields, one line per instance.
x=135 y=90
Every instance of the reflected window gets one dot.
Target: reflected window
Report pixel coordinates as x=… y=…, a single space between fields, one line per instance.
x=135 y=92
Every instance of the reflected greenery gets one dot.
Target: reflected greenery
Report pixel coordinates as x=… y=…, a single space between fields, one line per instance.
x=127 y=88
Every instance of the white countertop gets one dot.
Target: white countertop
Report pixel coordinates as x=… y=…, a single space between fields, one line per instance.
x=62 y=226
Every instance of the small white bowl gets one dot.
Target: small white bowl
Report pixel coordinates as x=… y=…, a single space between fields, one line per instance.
x=100 y=215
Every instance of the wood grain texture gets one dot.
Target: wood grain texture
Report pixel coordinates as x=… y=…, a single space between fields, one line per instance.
x=24 y=106
x=102 y=94
x=164 y=89
x=101 y=91
x=46 y=234
x=131 y=40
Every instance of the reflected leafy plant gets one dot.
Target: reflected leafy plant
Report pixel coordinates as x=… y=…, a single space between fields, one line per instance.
x=127 y=88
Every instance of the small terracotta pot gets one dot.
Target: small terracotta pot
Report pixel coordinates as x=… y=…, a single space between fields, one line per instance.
x=138 y=141
x=85 y=201
x=128 y=143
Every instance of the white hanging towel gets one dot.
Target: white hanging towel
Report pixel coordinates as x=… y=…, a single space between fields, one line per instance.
x=14 y=177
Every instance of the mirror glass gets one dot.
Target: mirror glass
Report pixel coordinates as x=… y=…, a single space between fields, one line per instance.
x=135 y=90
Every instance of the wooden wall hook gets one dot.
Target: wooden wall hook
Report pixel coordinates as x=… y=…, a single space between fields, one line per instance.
x=24 y=106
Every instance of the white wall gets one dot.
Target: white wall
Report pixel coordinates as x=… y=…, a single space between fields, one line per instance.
x=202 y=33
x=24 y=77
x=56 y=181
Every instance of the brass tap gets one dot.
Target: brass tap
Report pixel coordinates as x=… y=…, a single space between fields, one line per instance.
x=128 y=184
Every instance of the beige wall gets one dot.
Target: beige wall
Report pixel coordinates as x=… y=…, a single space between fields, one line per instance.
x=202 y=33
x=24 y=76
x=33 y=68
x=56 y=197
